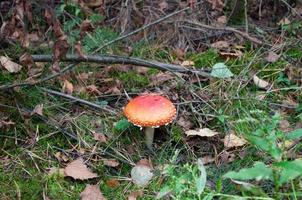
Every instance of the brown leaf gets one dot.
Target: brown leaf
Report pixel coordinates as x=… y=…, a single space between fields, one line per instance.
x=78 y=48
x=271 y=57
x=233 y=53
x=231 y=140
x=82 y=77
x=78 y=170
x=55 y=67
x=187 y=63
x=222 y=20
x=225 y=157
x=220 y=44
x=38 y=110
x=48 y=14
x=160 y=78
x=93 y=3
x=61 y=157
x=134 y=195
x=67 y=87
x=85 y=27
x=184 y=123
x=57 y=29
x=179 y=53
x=284 y=21
x=99 y=137
x=207 y=159
x=112 y=183
x=60 y=48
x=284 y=126
x=55 y=170
x=26 y=60
x=217 y=4
x=9 y=65
x=111 y=162
x=92 y=192
x=92 y=89
x=203 y=132
x=163 y=5
x=260 y=83
x=145 y=162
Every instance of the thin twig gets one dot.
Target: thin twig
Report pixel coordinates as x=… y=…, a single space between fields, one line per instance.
x=104 y=59
x=226 y=28
x=141 y=29
x=82 y=101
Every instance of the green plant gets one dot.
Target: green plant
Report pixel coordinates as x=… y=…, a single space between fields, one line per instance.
x=271 y=140
x=183 y=182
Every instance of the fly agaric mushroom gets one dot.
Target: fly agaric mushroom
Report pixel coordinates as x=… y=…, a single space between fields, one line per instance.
x=150 y=111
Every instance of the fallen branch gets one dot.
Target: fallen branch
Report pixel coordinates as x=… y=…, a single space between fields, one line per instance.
x=112 y=59
x=226 y=28
x=82 y=101
x=103 y=59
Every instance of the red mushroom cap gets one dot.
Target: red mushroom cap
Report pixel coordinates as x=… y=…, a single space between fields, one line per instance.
x=150 y=110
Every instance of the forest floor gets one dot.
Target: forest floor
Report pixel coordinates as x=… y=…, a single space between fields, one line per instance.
x=237 y=133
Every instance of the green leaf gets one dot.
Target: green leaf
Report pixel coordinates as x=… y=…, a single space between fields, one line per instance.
x=266 y=142
x=122 y=125
x=220 y=70
x=258 y=172
x=289 y=170
x=202 y=179
x=294 y=134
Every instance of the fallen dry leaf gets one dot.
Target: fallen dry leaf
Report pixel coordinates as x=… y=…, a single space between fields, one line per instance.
x=26 y=60
x=207 y=159
x=284 y=126
x=134 y=195
x=92 y=89
x=93 y=3
x=220 y=44
x=78 y=48
x=112 y=183
x=67 y=87
x=61 y=157
x=231 y=140
x=78 y=170
x=92 y=192
x=55 y=170
x=202 y=132
x=111 y=162
x=284 y=21
x=185 y=123
x=216 y=4
x=222 y=20
x=60 y=48
x=86 y=26
x=145 y=162
x=260 y=83
x=271 y=57
x=38 y=110
x=187 y=63
x=233 y=53
x=99 y=137
x=9 y=65
x=160 y=78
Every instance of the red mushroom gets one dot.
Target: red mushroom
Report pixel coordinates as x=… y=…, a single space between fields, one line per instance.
x=150 y=111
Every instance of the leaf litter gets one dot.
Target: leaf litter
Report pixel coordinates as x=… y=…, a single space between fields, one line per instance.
x=77 y=169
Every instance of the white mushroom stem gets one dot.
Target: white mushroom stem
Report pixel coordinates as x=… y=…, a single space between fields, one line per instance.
x=149 y=135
